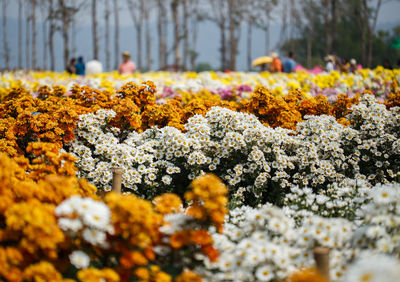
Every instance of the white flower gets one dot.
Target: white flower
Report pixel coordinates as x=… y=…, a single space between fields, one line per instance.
x=79 y=259
x=68 y=224
x=68 y=206
x=98 y=215
x=166 y=179
x=94 y=237
x=264 y=273
x=374 y=268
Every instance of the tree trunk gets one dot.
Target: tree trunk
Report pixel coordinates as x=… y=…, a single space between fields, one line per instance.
x=327 y=27
x=94 y=31
x=185 y=34
x=5 y=40
x=232 y=37
x=139 y=29
x=223 y=47
x=107 y=33
x=175 y=18
x=162 y=30
x=20 y=21
x=139 y=46
x=371 y=31
x=309 y=50
x=267 y=34
x=149 y=59
x=116 y=34
x=34 y=36
x=65 y=19
x=334 y=25
x=52 y=30
x=44 y=66
x=161 y=39
x=193 y=53
x=73 y=48
x=27 y=37
x=249 y=31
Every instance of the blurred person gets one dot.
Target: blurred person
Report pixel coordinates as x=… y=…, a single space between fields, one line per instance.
x=353 y=65
x=345 y=66
x=276 y=65
x=290 y=63
x=80 y=66
x=127 y=66
x=329 y=63
x=93 y=67
x=71 y=66
x=387 y=64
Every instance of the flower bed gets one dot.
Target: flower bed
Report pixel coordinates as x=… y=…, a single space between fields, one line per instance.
x=296 y=172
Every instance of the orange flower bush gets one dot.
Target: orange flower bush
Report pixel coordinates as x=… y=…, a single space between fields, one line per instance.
x=209 y=199
x=272 y=111
x=37 y=239
x=95 y=275
x=42 y=271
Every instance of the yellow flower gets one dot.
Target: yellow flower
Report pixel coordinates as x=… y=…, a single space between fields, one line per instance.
x=98 y=275
x=41 y=272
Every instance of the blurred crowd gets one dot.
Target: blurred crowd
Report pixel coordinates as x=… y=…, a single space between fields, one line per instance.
x=79 y=67
x=274 y=64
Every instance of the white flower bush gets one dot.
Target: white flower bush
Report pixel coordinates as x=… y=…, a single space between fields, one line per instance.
x=337 y=200
x=374 y=268
x=270 y=237
x=258 y=163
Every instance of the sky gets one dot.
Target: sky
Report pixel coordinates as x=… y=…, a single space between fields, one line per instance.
x=207 y=47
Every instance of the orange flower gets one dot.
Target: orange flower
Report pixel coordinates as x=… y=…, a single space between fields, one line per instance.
x=142 y=273
x=306 y=275
x=133 y=258
x=209 y=199
x=188 y=276
x=201 y=237
x=179 y=239
x=41 y=272
x=167 y=203
x=96 y=275
x=162 y=277
x=211 y=252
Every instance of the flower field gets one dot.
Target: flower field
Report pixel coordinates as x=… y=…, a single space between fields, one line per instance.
x=225 y=176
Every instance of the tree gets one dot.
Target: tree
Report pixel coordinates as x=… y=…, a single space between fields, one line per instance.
x=34 y=35
x=177 y=37
x=136 y=8
x=148 y=6
x=65 y=12
x=20 y=21
x=5 y=39
x=107 y=13
x=219 y=15
x=366 y=16
x=94 y=30
x=44 y=10
x=235 y=16
x=162 y=33
x=116 y=34
x=27 y=33
x=196 y=15
x=52 y=16
x=259 y=14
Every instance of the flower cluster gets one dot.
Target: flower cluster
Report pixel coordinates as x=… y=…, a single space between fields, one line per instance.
x=57 y=227
x=258 y=163
x=229 y=86
x=267 y=243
